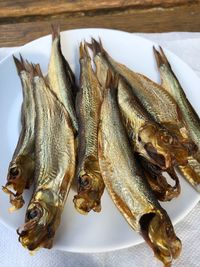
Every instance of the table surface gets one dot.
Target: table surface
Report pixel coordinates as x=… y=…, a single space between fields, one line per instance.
x=23 y=21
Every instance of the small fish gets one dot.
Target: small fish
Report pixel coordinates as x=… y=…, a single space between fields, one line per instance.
x=157 y=102
x=191 y=171
x=21 y=169
x=148 y=137
x=173 y=86
x=158 y=182
x=126 y=184
x=55 y=167
x=61 y=78
x=89 y=99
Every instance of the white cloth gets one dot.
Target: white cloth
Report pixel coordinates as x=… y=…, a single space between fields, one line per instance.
x=187 y=47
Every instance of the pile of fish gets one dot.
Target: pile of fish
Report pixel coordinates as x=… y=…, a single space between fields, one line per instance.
x=117 y=130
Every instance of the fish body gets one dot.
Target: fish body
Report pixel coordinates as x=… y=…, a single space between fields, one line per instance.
x=173 y=86
x=126 y=185
x=21 y=168
x=89 y=99
x=170 y=83
x=148 y=137
x=61 y=78
x=54 y=167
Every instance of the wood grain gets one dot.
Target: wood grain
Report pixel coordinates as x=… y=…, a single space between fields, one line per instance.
x=49 y=7
x=132 y=16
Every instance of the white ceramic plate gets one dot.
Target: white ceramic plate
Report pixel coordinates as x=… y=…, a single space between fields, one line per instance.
x=107 y=230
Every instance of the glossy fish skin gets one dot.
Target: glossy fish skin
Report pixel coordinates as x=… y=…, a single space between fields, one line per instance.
x=55 y=167
x=142 y=130
x=150 y=139
x=191 y=171
x=127 y=186
x=89 y=99
x=61 y=77
x=21 y=168
x=172 y=85
x=157 y=102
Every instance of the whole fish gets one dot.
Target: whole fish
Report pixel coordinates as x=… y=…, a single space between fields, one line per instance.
x=61 y=77
x=158 y=182
x=21 y=169
x=173 y=86
x=89 y=99
x=55 y=167
x=191 y=171
x=126 y=185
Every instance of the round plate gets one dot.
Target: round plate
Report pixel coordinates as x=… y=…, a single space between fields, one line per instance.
x=107 y=230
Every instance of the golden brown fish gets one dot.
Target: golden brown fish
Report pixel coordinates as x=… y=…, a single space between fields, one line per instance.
x=21 y=168
x=157 y=102
x=145 y=135
x=55 y=167
x=127 y=186
x=191 y=171
x=61 y=77
x=89 y=99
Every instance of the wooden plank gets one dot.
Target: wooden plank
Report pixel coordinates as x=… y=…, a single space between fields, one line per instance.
x=182 y=18
x=20 y=8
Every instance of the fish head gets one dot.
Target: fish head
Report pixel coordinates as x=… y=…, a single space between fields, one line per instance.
x=42 y=219
x=20 y=173
x=162 y=147
x=157 y=230
x=90 y=187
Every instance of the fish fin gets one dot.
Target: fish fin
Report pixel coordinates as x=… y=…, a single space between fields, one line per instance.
x=55 y=31
x=160 y=57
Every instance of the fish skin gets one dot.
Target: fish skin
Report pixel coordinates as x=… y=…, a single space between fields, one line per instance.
x=173 y=86
x=126 y=185
x=148 y=93
x=169 y=81
x=61 y=77
x=90 y=183
x=21 y=168
x=55 y=167
x=135 y=118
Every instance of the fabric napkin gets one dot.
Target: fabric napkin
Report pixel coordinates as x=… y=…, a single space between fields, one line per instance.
x=12 y=254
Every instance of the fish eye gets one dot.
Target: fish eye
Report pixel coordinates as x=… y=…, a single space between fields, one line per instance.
x=32 y=214
x=14 y=172
x=84 y=181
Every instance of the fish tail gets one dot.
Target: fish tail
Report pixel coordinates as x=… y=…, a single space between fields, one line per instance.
x=96 y=47
x=20 y=66
x=55 y=31
x=112 y=80
x=84 y=53
x=160 y=57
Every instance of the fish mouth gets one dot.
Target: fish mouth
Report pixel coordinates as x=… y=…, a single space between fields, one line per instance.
x=88 y=197
x=36 y=232
x=158 y=232
x=16 y=199
x=159 y=159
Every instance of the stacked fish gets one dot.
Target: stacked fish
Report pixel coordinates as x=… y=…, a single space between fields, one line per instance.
x=119 y=130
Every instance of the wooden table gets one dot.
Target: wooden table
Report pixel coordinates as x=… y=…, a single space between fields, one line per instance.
x=23 y=21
